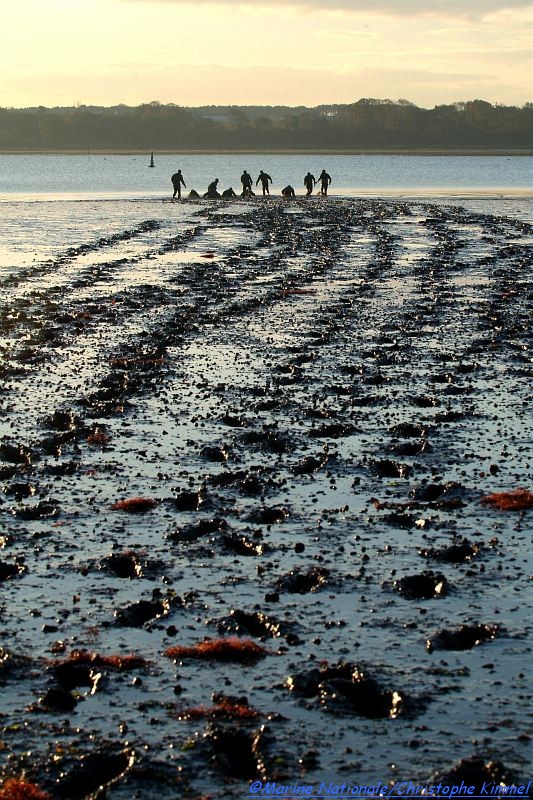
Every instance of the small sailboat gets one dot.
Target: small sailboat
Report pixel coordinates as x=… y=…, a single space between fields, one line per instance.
x=151 y=164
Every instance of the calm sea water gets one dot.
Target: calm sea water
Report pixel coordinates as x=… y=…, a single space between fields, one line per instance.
x=116 y=176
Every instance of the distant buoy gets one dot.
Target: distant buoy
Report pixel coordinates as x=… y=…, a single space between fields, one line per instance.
x=151 y=164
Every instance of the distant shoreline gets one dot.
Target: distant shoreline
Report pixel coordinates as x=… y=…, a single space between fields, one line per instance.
x=401 y=151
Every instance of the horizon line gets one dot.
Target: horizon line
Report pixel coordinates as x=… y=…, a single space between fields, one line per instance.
x=369 y=101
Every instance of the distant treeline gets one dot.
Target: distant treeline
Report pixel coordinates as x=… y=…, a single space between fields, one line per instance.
x=365 y=125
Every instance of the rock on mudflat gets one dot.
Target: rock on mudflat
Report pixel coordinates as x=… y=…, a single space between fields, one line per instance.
x=269 y=515
x=407 y=448
x=100 y=769
x=424 y=586
x=432 y=492
x=386 y=468
x=475 y=771
x=15 y=453
x=124 y=565
x=298 y=582
x=311 y=464
x=242 y=545
x=236 y=752
x=135 y=615
x=42 y=510
x=215 y=453
x=190 y=533
x=20 y=490
x=345 y=687
x=259 y=624
x=453 y=554
x=71 y=675
x=8 y=570
x=63 y=420
x=189 y=500
x=58 y=699
x=409 y=430
x=463 y=638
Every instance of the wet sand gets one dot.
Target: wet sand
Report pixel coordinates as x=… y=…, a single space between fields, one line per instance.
x=274 y=422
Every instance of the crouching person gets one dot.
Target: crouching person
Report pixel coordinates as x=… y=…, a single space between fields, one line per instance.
x=212 y=191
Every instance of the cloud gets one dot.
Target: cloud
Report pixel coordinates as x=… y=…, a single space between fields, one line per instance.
x=403 y=8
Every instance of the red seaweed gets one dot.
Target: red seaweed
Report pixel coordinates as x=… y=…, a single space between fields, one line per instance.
x=515 y=500
x=98 y=437
x=231 y=648
x=135 y=505
x=20 y=789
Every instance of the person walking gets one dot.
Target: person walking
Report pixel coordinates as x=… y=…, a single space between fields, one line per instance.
x=246 y=180
x=325 y=181
x=177 y=183
x=309 y=183
x=264 y=178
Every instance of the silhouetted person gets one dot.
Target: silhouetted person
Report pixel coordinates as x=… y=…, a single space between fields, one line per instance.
x=264 y=178
x=177 y=182
x=309 y=183
x=288 y=191
x=193 y=195
x=246 y=180
x=212 y=190
x=325 y=181
x=228 y=193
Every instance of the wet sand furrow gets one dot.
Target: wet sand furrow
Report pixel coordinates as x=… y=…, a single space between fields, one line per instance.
x=75 y=273
x=58 y=321
x=40 y=270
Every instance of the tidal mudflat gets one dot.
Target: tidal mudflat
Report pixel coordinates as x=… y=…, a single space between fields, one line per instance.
x=245 y=456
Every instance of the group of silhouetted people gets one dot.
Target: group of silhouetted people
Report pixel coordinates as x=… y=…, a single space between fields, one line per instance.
x=247 y=186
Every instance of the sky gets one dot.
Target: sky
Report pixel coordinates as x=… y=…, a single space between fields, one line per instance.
x=264 y=52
